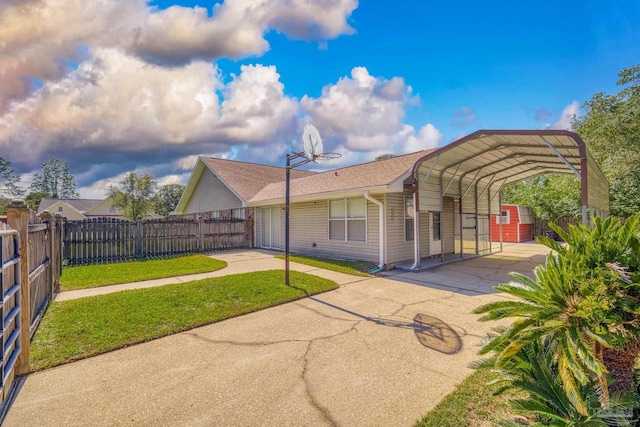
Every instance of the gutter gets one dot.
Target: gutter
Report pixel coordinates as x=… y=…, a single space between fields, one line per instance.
x=381 y=239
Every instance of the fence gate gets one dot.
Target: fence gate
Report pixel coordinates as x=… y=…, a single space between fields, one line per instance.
x=11 y=306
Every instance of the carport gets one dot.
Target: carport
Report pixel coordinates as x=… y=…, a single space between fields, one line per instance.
x=458 y=187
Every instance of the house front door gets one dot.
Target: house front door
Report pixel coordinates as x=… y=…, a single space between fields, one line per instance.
x=434 y=233
x=271 y=227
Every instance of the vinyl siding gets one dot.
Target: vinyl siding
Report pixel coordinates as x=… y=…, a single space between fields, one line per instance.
x=211 y=194
x=448 y=223
x=398 y=250
x=309 y=225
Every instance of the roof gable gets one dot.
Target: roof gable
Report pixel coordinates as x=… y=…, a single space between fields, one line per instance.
x=80 y=205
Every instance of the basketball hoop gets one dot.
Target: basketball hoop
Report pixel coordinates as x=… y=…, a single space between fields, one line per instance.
x=327 y=156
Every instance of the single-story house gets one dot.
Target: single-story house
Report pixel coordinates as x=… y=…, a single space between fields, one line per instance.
x=513 y=225
x=419 y=208
x=79 y=209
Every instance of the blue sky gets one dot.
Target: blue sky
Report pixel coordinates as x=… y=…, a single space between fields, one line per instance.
x=124 y=85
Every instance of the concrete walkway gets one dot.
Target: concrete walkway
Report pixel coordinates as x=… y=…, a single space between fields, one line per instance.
x=376 y=352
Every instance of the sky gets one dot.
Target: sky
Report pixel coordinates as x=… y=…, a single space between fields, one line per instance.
x=114 y=86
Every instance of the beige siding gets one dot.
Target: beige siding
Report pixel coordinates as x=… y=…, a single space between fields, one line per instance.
x=309 y=233
x=66 y=211
x=210 y=194
x=104 y=208
x=399 y=250
x=448 y=222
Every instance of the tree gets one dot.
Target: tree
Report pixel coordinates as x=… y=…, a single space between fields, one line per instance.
x=9 y=179
x=134 y=196
x=551 y=196
x=611 y=130
x=55 y=181
x=385 y=156
x=33 y=200
x=167 y=198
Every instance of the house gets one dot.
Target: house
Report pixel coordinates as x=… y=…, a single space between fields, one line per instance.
x=417 y=209
x=513 y=225
x=79 y=209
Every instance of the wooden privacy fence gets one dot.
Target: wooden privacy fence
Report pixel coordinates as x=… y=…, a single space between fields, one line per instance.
x=31 y=266
x=104 y=240
x=541 y=226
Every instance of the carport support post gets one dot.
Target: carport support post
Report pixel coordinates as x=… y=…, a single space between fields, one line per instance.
x=18 y=219
x=286 y=221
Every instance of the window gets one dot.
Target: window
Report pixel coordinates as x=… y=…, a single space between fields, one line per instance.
x=436 y=226
x=238 y=213
x=112 y=209
x=348 y=220
x=504 y=218
x=409 y=213
x=59 y=208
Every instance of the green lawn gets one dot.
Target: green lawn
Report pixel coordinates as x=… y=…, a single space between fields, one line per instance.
x=76 y=329
x=472 y=404
x=355 y=268
x=92 y=276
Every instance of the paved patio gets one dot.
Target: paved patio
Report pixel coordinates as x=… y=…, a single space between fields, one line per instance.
x=377 y=352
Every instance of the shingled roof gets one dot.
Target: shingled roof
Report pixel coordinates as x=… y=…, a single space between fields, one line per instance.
x=247 y=179
x=376 y=175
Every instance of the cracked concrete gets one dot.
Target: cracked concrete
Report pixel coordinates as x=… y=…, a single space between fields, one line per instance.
x=349 y=357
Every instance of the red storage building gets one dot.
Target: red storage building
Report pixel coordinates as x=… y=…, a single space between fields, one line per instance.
x=517 y=224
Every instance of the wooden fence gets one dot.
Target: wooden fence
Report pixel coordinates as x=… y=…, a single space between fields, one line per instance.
x=541 y=226
x=31 y=266
x=104 y=240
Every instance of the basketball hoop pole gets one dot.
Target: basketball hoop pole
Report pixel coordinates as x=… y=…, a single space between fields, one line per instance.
x=286 y=208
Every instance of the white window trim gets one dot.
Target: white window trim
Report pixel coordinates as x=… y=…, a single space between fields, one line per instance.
x=346 y=219
x=502 y=219
x=406 y=217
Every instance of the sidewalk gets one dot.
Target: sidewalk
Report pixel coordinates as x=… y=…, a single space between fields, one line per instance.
x=238 y=262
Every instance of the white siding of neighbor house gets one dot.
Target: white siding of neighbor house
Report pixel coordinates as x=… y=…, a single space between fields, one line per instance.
x=210 y=194
x=309 y=224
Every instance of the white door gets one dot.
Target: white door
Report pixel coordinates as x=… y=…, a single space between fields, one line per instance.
x=434 y=233
x=270 y=227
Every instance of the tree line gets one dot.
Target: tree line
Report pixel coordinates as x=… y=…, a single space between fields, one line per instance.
x=136 y=195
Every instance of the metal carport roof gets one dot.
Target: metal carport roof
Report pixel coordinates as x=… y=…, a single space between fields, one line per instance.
x=494 y=158
x=475 y=169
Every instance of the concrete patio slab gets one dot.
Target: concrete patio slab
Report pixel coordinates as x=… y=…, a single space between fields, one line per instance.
x=377 y=352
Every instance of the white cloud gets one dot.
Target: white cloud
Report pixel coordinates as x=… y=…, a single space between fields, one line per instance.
x=33 y=47
x=464 y=117
x=365 y=113
x=568 y=114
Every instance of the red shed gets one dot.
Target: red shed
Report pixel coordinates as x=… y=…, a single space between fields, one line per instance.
x=517 y=224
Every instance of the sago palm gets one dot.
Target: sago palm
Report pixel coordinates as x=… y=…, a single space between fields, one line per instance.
x=586 y=300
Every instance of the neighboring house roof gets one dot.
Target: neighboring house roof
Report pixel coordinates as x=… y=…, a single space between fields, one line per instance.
x=81 y=205
x=377 y=175
x=247 y=179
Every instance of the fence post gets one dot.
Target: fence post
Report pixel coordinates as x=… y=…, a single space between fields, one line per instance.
x=18 y=219
x=46 y=218
x=59 y=247
x=200 y=234
x=139 y=238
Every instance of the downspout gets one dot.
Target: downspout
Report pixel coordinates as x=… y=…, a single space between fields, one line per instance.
x=381 y=244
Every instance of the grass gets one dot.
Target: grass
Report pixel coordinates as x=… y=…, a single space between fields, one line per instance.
x=76 y=329
x=355 y=268
x=471 y=404
x=92 y=276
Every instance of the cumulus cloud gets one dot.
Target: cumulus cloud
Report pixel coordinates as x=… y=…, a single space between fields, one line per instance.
x=568 y=114
x=120 y=111
x=364 y=113
x=34 y=49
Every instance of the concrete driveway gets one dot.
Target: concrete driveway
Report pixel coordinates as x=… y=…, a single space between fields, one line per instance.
x=377 y=352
